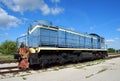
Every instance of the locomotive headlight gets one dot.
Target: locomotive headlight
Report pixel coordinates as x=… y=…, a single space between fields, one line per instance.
x=32 y=50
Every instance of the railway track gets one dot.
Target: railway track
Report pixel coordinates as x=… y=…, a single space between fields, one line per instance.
x=8 y=61
x=113 y=56
x=14 y=69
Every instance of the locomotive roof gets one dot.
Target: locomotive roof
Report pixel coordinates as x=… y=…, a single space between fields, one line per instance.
x=48 y=25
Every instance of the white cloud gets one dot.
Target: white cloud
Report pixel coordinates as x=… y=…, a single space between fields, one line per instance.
x=31 y=5
x=55 y=1
x=113 y=43
x=118 y=29
x=4 y=34
x=56 y=10
x=92 y=27
x=23 y=34
x=110 y=40
x=7 y=21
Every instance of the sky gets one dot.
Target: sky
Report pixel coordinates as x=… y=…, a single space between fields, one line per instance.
x=87 y=16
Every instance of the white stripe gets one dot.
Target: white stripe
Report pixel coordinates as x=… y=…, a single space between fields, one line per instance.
x=38 y=26
x=34 y=29
x=54 y=48
x=77 y=33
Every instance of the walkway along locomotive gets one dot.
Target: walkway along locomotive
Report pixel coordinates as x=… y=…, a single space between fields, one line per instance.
x=50 y=44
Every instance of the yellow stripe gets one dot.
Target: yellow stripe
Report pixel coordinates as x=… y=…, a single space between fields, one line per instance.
x=53 y=48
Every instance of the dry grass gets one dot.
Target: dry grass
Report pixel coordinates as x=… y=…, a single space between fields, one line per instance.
x=94 y=62
x=89 y=76
x=102 y=70
x=6 y=57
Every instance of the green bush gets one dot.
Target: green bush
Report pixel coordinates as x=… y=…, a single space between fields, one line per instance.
x=111 y=50
x=8 y=47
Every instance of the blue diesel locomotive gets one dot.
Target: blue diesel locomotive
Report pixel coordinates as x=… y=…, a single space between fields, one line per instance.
x=49 y=44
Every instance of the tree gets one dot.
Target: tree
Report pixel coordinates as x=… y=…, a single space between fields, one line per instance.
x=8 y=47
x=111 y=50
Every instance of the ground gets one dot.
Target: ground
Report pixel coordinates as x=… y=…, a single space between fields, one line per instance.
x=100 y=70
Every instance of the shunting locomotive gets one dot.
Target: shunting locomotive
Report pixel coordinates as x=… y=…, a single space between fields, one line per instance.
x=49 y=44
